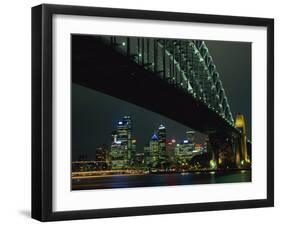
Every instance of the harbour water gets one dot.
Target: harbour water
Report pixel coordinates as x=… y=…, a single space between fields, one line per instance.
x=149 y=180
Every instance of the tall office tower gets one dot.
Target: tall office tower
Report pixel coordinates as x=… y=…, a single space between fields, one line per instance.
x=124 y=134
x=117 y=156
x=162 y=138
x=124 y=130
x=190 y=136
x=183 y=153
x=154 y=150
x=170 y=150
x=122 y=147
x=133 y=152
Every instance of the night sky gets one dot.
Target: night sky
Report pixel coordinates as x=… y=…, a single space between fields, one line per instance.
x=95 y=115
x=233 y=62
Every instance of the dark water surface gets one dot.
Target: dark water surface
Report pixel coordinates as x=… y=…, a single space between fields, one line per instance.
x=149 y=180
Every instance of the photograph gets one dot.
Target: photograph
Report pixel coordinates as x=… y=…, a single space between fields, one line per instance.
x=156 y=111
x=141 y=112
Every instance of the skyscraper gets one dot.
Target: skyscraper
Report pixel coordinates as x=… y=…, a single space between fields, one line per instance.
x=162 y=138
x=124 y=130
x=122 y=147
x=183 y=153
x=152 y=152
x=118 y=155
x=170 y=150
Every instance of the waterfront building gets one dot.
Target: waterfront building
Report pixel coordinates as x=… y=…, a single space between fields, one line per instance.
x=102 y=157
x=102 y=153
x=118 y=154
x=184 y=152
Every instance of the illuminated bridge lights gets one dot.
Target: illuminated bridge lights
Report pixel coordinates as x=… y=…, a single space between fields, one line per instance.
x=185 y=64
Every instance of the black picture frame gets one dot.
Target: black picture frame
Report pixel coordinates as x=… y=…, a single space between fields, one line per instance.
x=42 y=111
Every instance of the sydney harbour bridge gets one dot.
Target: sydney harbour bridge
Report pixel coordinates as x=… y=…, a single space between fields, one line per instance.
x=175 y=78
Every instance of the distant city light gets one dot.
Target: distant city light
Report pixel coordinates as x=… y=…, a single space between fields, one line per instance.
x=120 y=123
x=123 y=43
x=212 y=164
x=118 y=142
x=154 y=137
x=173 y=141
x=161 y=127
x=185 y=141
x=196 y=150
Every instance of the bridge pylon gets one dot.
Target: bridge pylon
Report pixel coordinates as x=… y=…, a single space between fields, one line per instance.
x=241 y=153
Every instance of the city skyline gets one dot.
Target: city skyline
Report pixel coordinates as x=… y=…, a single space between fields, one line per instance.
x=151 y=135
x=175 y=130
x=160 y=153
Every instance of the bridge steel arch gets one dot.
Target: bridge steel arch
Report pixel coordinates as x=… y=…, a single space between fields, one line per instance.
x=186 y=64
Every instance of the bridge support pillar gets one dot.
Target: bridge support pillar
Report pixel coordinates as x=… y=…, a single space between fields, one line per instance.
x=241 y=156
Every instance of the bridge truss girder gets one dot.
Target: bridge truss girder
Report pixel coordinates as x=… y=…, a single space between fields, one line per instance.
x=186 y=64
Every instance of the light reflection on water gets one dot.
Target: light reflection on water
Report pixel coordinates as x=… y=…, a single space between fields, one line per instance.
x=163 y=180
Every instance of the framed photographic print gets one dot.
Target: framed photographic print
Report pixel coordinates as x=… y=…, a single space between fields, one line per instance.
x=147 y=112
